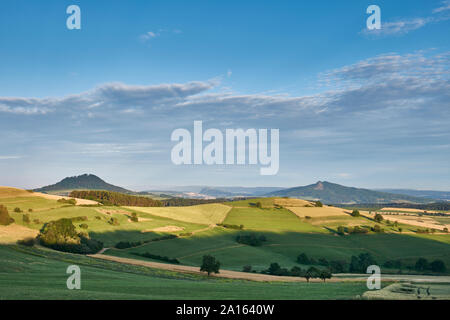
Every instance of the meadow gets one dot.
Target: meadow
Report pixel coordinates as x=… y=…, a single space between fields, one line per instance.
x=30 y=273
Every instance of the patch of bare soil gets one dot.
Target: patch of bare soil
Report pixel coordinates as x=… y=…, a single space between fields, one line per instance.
x=164 y=229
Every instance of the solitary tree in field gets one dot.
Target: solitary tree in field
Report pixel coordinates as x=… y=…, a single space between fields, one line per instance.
x=378 y=218
x=355 y=213
x=210 y=265
x=259 y=204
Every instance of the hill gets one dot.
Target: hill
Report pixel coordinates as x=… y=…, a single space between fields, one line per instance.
x=430 y=194
x=337 y=194
x=83 y=182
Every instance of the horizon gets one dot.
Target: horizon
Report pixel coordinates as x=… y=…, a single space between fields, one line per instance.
x=359 y=107
x=168 y=187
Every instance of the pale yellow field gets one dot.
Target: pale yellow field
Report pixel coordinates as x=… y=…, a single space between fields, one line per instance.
x=292 y=202
x=10 y=234
x=406 y=210
x=8 y=192
x=201 y=214
x=315 y=212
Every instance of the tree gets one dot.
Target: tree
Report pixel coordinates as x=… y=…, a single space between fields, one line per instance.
x=319 y=204
x=274 y=268
x=438 y=266
x=17 y=210
x=311 y=273
x=259 y=204
x=378 y=218
x=5 y=219
x=341 y=230
x=422 y=264
x=325 y=274
x=355 y=213
x=210 y=265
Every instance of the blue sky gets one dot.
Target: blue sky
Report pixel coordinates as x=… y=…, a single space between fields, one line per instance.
x=368 y=109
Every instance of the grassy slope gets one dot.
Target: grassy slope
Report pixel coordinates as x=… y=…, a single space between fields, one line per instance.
x=202 y=214
x=41 y=274
x=47 y=210
x=284 y=247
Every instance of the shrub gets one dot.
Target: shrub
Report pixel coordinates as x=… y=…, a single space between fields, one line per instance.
x=29 y=242
x=231 y=226
x=134 y=217
x=259 y=204
x=79 y=219
x=376 y=228
x=68 y=201
x=185 y=234
x=26 y=218
x=30 y=210
x=157 y=257
x=17 y=210
x=247 y=269
x=341 y=230
x=61 y=235
x=5 y=219
x=113 y=221
x=36 y=221
x=318 y=204
x=251 y=240
x=84 y=226
x=378 y=218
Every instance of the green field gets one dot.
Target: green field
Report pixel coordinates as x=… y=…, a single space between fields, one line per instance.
x=28 y=273
x=284 y=247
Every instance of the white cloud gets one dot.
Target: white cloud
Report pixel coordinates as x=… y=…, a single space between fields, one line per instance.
x=445 y=6
x=10 y=157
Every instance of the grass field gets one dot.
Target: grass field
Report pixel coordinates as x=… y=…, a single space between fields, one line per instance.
x=41 y=274
x=269 y=219
x=202 y=214
x=284 y=247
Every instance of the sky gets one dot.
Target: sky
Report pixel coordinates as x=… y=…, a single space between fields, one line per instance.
x=359 y=107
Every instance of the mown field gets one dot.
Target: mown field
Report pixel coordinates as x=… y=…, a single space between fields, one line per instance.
x=29 y=273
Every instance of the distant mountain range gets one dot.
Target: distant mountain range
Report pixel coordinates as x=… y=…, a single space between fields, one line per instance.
x=430 y=194
x=324 y=191
x=332 y=193
x=83 y=182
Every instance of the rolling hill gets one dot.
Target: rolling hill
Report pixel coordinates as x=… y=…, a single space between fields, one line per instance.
x=430 y=194
x=337 y=194
x=83 y=182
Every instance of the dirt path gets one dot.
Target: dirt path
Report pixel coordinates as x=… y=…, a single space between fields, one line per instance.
x=223 y=273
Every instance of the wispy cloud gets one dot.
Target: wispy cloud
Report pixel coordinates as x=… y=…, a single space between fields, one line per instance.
x=445 y=6
x=10 y=157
